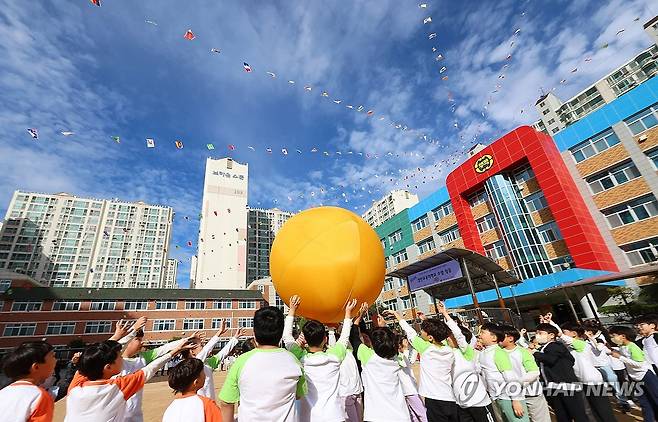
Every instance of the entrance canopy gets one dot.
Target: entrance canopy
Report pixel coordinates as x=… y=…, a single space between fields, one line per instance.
x=475 y=273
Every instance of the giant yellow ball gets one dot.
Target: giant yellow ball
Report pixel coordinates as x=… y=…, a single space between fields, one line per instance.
x=327 y=256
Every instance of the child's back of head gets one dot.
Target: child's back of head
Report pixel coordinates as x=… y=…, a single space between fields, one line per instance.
x=18 y=363
x=97 y=357
x=435 y=328
x=314 y=333
x=268 y=326
x=384 y=342
x=182 y=377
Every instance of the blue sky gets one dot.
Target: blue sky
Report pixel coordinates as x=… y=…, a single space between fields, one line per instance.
x=100 y=72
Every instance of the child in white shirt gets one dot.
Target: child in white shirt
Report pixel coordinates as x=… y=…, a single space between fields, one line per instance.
x=350 y=386
x=186 y=379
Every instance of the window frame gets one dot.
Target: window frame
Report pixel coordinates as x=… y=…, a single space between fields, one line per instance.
x=93 y=305
x=160 y=322
x=593 y=143
x=193 y=324
x=30 y=306
x=627 y=168
x=98 y=324
x=20 y=326
x=420 y=223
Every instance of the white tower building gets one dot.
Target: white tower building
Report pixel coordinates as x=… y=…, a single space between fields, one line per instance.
x=222 y=246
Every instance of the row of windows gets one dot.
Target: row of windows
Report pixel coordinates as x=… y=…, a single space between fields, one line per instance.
x=632 y=211
x=27 y=306
x=442 y=211
x=485 y=223
x=101 y=327
x=613 y=177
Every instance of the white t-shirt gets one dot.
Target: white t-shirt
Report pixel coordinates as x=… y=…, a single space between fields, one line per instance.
x=349 y=379
x=635 y=361
x=650 y=348
x=383 y=399
x=468 y=384
x=192 y=409
x=435 y=366
x=493 y=377
x=211 y=363
x=23 y=401
x=407 y=377
x=266 y=383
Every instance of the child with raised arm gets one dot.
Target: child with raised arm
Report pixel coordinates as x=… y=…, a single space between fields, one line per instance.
x=97 y=393
x=267 y=379
x=436 y=361
x=638 y=367
x=350 y=387
x=321 y=368
x=383 y=393
x=23 y=400
x=211 y=363
x=187 y=379
x=468 y=387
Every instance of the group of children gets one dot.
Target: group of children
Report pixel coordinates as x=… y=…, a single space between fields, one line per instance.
x=363 y=375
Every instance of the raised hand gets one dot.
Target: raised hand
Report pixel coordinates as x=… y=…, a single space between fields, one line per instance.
x=120 y=330
x=362 y=311
x=240 y=332
x=393 y=314
x=222 y=328
x=441 y=308
x=421 y=316
x=197 y=337
x=349 y=308
x=188 y=345
x=295 y=300
x=139 y=324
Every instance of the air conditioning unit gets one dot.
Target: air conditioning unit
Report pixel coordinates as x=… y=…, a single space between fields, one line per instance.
x=642 y=138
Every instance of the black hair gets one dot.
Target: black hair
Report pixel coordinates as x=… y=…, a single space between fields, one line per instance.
x=247 y=345
x=18 y=362
x=508 y=330
x=435 y=328
x=96 y=356
x=466 y=333
x=183 y=375
x=594 y=326
x=314 y=333
x=384 y=342
x=574 y=326
x=494 y=329
x=268 y=326
x=647 y=319
x=548 y=328
x=627 y=332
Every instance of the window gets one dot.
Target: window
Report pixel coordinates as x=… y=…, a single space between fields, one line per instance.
x=102 y=305
x=536 y=201
x=245 y=322
x=66 y=306
x=496 y=250
x=60 y=328
x=643 y=120
x=195 y=304
x=613 y=177
x=450 y=235
x=407 y=301
x=166 y=304
x=391 y=304
x=549 y=232
x=630 y=212
x=399 y=257
x=217 y=323
x=25 y=306
x=222 y=304
x=442 y=211
x=278 y=302
x=523 y=173
x=486 y=223
x=653 y=156
x=477 y=198
x=421 y=223
x=98 y=327
x=426 y=245
x=246 y=304
x=16 y=330
x=135 y=305
x=395 y=237
x=4 y=285
x=164 y=325
x=594 y=145
x=389 y=284
x=193 y=324
x=642 y=252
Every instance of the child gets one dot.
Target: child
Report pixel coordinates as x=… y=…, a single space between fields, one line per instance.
x=468 y=387
x=186 y=379
x=522 y=364
x=136 y=358
x=383 y=394
x=557 y=374
x=417 y=410
x=213 y=362
x=265 y=380
x=97 y=393
x=646 y=326
x=638 y=368
x=28 y=365
x=436 y=360
x=350 y=387
x=322 y=369
x=572 y=335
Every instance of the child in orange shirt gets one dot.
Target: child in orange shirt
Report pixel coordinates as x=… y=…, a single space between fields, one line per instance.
x=186 y=379
x=24 y=401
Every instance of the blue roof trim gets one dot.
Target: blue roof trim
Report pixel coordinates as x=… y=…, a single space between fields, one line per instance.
x=437 y=198
x=530 y=286
x=633 y=101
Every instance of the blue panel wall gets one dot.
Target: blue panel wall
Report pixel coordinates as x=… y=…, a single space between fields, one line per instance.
x=437 y=198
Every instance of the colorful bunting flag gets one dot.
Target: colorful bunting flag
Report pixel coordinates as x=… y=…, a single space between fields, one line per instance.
x=210 y=147
x=178 y=144
x=246 y=66
x=189 y=35
x=116 y=139
x=33 y=133
x=96 y=2
x=150 y=143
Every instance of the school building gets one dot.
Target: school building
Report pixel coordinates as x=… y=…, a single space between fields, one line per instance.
x=65 y=316
x=549 y=210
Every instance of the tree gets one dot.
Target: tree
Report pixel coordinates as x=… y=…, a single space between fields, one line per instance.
x=630 y=306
